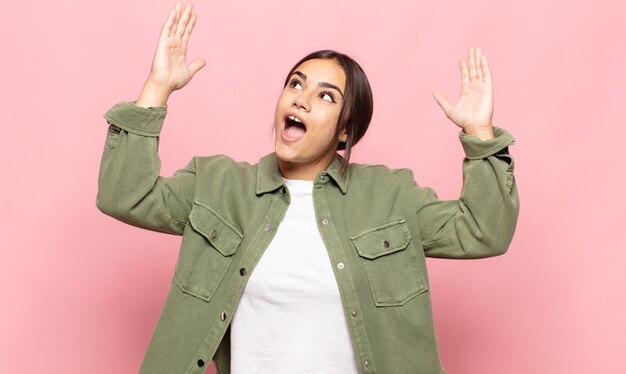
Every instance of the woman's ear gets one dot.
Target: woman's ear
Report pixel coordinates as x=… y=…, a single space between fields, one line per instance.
x=343 y=136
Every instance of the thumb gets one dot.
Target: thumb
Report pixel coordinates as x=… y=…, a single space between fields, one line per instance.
x=443 y=101
x=196 y=65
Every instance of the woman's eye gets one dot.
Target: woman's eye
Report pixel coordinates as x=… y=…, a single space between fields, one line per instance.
x=328 y=97
x=295 y=83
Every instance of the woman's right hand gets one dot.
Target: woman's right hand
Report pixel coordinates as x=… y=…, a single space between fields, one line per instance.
x=169 y=70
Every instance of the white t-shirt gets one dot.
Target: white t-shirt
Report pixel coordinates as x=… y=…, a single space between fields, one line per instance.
x=290 y=318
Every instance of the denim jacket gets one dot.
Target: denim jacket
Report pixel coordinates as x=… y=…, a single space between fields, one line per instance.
x=377 y=224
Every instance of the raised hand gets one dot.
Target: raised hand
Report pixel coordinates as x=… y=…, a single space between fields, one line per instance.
x=474 y=110
x=169 y=71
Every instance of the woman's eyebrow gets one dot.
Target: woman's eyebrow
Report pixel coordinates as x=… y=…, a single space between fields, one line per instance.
x=321 y=84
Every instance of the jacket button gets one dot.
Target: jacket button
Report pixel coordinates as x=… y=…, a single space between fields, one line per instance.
x=353 y=313
x=366 y=363
x=386 y=244
x=223 y=316
x=243 y=271
x=213 y=234
x=268 y=227
x=325 y=221
x=509 y=179
x=340 y=265
x=200 y=363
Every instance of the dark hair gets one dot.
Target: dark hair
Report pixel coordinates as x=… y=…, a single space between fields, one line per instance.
x=357 y=104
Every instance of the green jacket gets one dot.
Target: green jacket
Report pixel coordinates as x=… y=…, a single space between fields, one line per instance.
x=377 y=224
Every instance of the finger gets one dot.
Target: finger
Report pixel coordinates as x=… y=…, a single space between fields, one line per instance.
x=443 y=101
x=464 y=72
x=479 y=71
x=484 y=67
x=167 y=27
x=182 y=25
x=189 y=28
x=178 y=8
x=472 y=64
x=196 y=65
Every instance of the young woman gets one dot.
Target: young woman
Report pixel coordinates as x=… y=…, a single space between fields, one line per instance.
x=303 y=262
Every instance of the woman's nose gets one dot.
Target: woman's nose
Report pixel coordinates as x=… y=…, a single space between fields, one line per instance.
x=302 y=101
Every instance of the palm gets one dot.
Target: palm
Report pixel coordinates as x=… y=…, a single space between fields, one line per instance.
x=169 y=66
x=475 y=106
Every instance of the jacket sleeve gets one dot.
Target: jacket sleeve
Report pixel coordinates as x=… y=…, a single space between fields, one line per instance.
x=130 y=188
x=482 y=222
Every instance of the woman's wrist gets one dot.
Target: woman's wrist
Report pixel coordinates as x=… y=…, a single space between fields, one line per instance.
x=153 y=95
x=483 y=133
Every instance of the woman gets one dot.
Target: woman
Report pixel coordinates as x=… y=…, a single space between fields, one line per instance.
x=303 y=262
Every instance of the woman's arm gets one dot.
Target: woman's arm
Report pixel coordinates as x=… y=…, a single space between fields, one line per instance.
x=482 y=222
x=130 y=188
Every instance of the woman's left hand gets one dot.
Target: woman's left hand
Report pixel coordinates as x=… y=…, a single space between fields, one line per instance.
x=474 y=109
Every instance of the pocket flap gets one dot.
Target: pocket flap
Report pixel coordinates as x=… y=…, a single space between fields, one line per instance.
x=383 y=239
x=223 y=235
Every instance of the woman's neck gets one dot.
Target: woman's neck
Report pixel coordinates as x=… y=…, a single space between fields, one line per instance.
x=300 y=171
x=304 y=170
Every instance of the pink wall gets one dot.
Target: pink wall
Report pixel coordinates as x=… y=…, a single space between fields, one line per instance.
x=82 y=292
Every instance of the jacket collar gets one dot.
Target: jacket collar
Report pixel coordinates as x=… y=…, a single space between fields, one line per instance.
x=269 y=177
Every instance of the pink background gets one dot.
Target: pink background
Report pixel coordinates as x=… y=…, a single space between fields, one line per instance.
x=81 y=292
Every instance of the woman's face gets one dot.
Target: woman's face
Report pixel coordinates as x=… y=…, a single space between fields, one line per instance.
x=313 y=96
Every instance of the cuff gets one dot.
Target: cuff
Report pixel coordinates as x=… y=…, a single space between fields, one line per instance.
x=476 y=148
x=138 y=120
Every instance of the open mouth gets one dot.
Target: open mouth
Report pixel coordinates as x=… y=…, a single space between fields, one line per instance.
x=294 y=127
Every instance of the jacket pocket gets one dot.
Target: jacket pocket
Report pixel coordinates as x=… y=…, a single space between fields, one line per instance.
x=208 y=244
x=391 y=263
